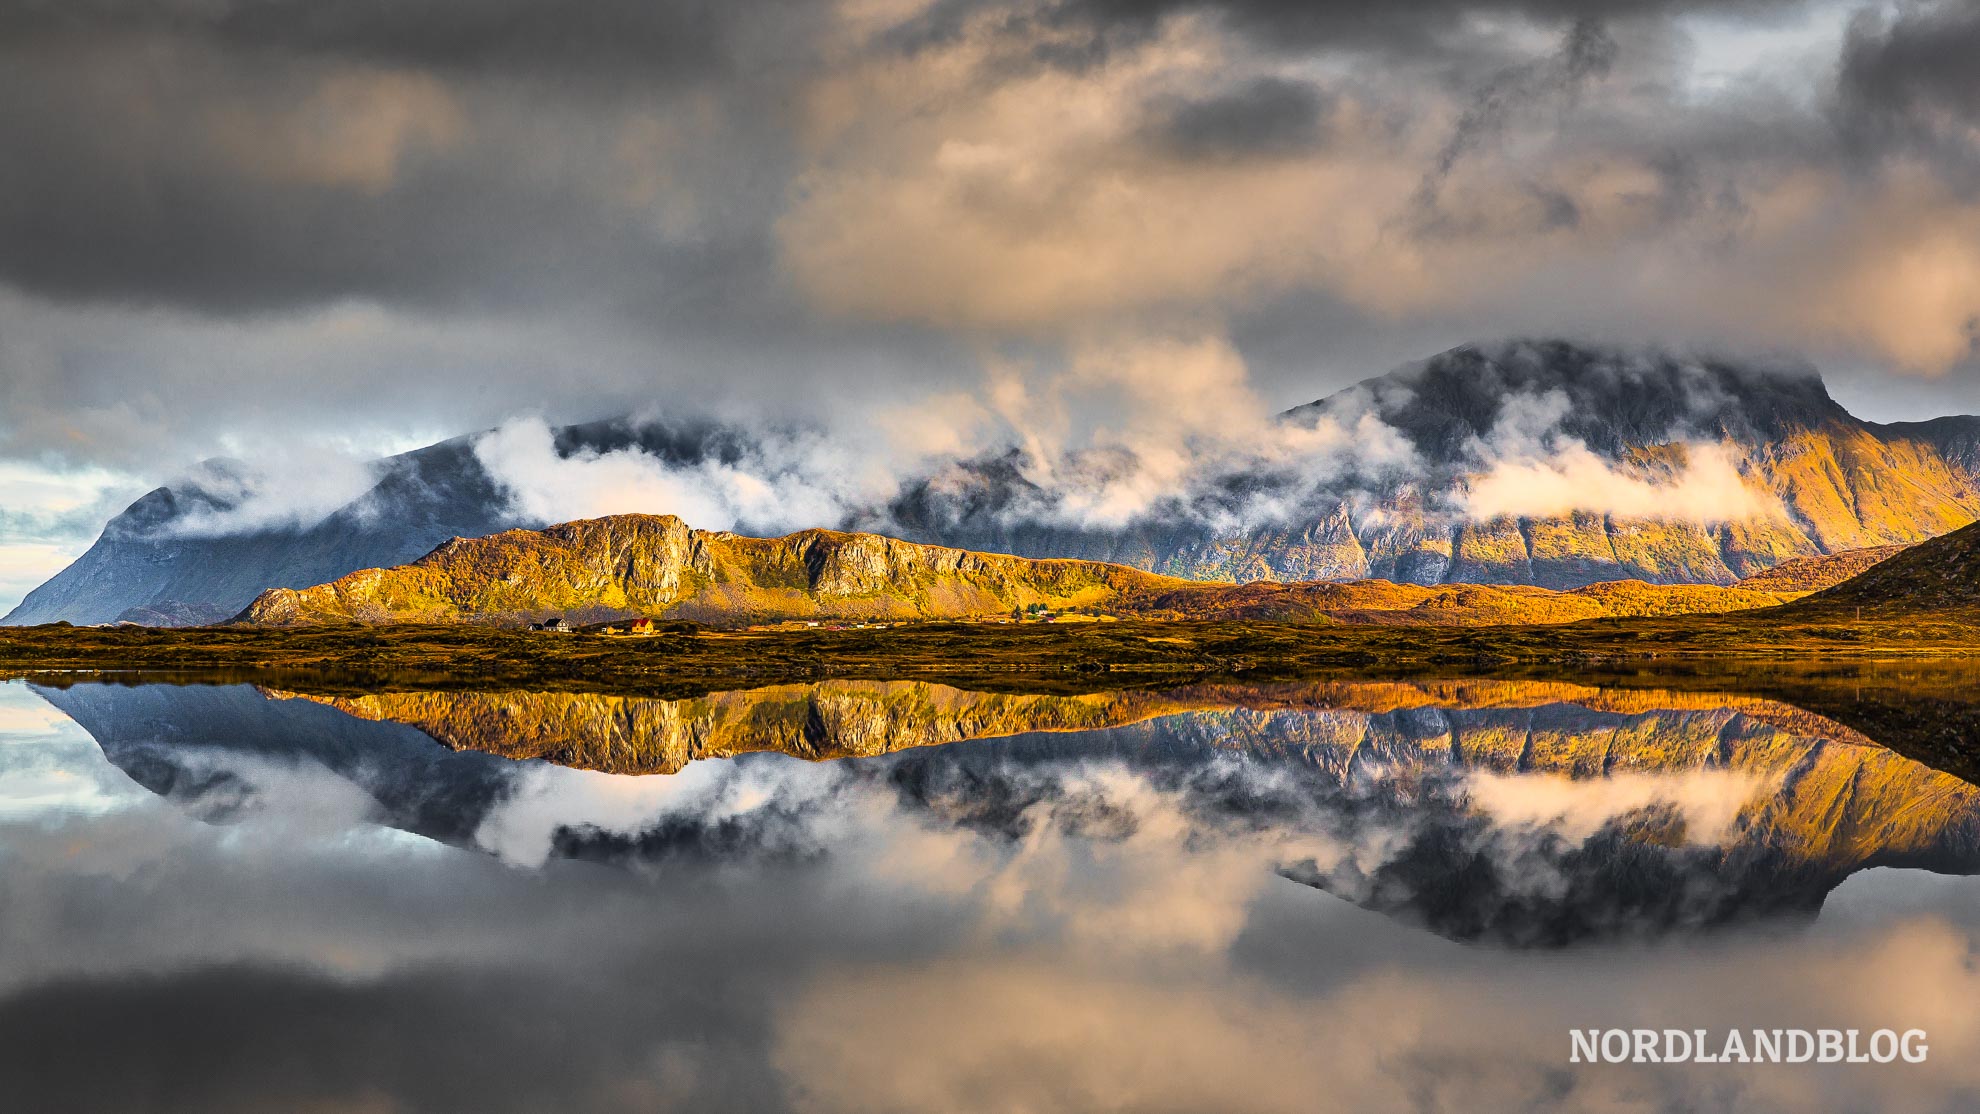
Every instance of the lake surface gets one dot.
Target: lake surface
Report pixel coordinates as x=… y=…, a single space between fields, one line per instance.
x=895 y=896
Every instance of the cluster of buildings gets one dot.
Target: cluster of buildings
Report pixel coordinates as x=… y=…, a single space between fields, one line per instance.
x=561 y=625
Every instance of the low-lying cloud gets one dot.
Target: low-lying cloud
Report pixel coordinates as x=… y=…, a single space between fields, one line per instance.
x=1168 y=434
x=782 y=482
x=1530 y=468
x=291 y=489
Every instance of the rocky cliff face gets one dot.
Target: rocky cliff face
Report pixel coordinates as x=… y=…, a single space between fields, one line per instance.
x=632 y=565
x=1838 y=483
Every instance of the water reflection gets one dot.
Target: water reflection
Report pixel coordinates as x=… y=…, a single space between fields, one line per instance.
x=1518 y=813
x=1088 y=914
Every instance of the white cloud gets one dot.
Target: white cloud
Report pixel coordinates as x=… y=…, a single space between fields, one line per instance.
x=1531 y=469
x=297 y=485
x=781 y=483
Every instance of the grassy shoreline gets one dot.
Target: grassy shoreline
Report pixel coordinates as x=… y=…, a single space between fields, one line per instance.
x=1111 y=654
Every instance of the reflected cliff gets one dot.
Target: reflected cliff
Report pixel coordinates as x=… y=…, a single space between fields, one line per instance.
x=1523 y=813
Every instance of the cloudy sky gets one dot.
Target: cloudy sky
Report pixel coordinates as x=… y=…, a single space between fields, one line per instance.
x=262 y=228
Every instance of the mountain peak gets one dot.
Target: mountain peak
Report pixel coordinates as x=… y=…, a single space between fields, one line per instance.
x=1610 y=398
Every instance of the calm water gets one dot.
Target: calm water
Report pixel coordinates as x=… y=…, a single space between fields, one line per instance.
x=904 y=897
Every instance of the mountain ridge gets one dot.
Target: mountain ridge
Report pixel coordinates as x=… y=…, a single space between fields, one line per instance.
x=1842 y=483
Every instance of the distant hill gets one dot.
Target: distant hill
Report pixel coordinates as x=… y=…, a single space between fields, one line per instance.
x=1841 y=484
x=1940 y=575
x=1812 y=574
x=645 y=565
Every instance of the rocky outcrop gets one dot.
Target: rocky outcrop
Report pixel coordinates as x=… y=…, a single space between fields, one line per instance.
x=655 y=565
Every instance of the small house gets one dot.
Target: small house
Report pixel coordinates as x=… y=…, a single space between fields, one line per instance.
x=640 y=626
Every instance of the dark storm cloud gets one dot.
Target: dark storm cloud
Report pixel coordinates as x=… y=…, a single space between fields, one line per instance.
x=1407 y=25
x=1268 y=116
x=231 y=219
x=250 y=161
x=657 y=40
x=1587 y=52
x=1911 y=83
x=1923 y=59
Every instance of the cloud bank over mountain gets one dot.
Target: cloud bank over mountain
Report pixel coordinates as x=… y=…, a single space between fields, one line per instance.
x=937 y=226
x=224 y=206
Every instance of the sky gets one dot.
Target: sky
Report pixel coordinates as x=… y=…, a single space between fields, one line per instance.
x=298 y=231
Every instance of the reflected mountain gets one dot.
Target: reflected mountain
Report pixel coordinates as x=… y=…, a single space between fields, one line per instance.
x=1520 y=813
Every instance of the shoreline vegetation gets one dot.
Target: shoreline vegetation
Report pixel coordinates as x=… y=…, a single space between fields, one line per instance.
x=1120 y=653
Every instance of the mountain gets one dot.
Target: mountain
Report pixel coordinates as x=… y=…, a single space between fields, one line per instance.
x=1838 y=482
x=1833 y=482
x=157 y=564
x=646 y=565
x=153 y=565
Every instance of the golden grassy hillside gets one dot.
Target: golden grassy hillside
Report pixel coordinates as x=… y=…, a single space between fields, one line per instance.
x=655 y=565
x=1443 y=605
